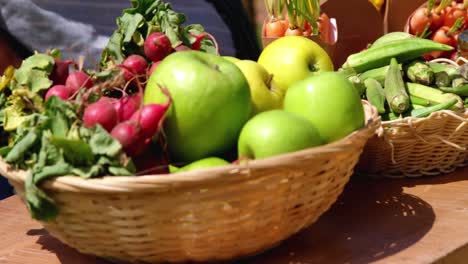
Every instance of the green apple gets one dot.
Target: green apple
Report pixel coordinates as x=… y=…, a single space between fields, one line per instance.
x=293 y=58
x=200 y=164
x=265 y=95
x=276 y=132
x=210 y=103
x=330 y=102
x=231 y=59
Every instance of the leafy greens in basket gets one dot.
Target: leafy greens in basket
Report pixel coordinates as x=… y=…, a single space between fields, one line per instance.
x=47 y=139
x=146 y=17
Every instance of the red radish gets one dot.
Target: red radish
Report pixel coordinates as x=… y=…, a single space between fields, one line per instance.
x=198 y=39
x=60 y=91
x=136 y=64
x=153 y=67
x=275 y=29
x=77 y=80
x=127 y=106
x=133 y=65
x=127 y=74
x=182 y=48
x=128 y=133
x=151 y=116
x=60 y=71
x=101 y=112
x=157 y=46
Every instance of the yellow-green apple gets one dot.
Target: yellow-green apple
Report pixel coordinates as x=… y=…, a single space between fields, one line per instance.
x=210 y=103
x=265 y=95
x=293 y=58
x=205 y=163
x=231 y=59
x=276 y=132
x=329 y=101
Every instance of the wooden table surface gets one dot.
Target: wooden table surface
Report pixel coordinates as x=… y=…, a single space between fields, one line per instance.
x=374 y=221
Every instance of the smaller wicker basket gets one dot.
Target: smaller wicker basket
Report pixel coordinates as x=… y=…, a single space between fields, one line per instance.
x=415 y=147
x=215 y=214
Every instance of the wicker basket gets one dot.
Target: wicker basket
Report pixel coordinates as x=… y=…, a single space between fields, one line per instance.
x=415 y=147
x=213 y=214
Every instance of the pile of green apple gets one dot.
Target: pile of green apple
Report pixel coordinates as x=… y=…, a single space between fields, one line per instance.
x=229 y=109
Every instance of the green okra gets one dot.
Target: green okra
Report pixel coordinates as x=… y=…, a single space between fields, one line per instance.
x=442 y=79
x=419 y=101
x=433 y=95
x=458 y=82
x=375 y=94
x=419 y=72
x=395 y=91
x=426 y=111
x=358 y=84
x=403 y=50
x=460 y=90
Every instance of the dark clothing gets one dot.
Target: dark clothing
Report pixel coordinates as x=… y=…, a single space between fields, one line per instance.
x=82 y=27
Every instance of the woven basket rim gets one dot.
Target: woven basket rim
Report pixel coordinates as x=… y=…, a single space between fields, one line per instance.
x=119 y=184
x=416 y=120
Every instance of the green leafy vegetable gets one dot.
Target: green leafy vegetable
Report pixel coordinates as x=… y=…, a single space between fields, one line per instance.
x=34 y=73
x=146 y=17
x=54 y=143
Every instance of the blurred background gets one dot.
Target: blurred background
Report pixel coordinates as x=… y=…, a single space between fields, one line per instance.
x=83 y=26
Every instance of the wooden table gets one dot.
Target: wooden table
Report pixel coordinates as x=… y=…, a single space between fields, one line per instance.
x=385 y=221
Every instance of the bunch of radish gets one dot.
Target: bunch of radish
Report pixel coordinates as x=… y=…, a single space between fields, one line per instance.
x=125 y=118
x=441 y=22
x=66 y=84
x=128 y=120
x=157 y=46
x=302 y=18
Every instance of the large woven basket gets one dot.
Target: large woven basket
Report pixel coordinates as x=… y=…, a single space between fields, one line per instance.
x=213 y=214
x=415 y=147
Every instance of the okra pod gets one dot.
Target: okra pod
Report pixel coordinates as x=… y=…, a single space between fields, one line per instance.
x=419 y=72
x=402 y=50
x=415 y=106
x=433 y=95
x=442 y=79
x=358 y=84
x=395 y=91
x=390 y=37
x=377 y=74
x=460 y=90
x=457 y=82
x=426 y=111
x=375 y=94
x=419 y=101
x=464 y=71
x=451 y=70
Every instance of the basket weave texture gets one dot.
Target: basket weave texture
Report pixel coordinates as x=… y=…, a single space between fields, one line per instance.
x=214 y=214
x=415 y=147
